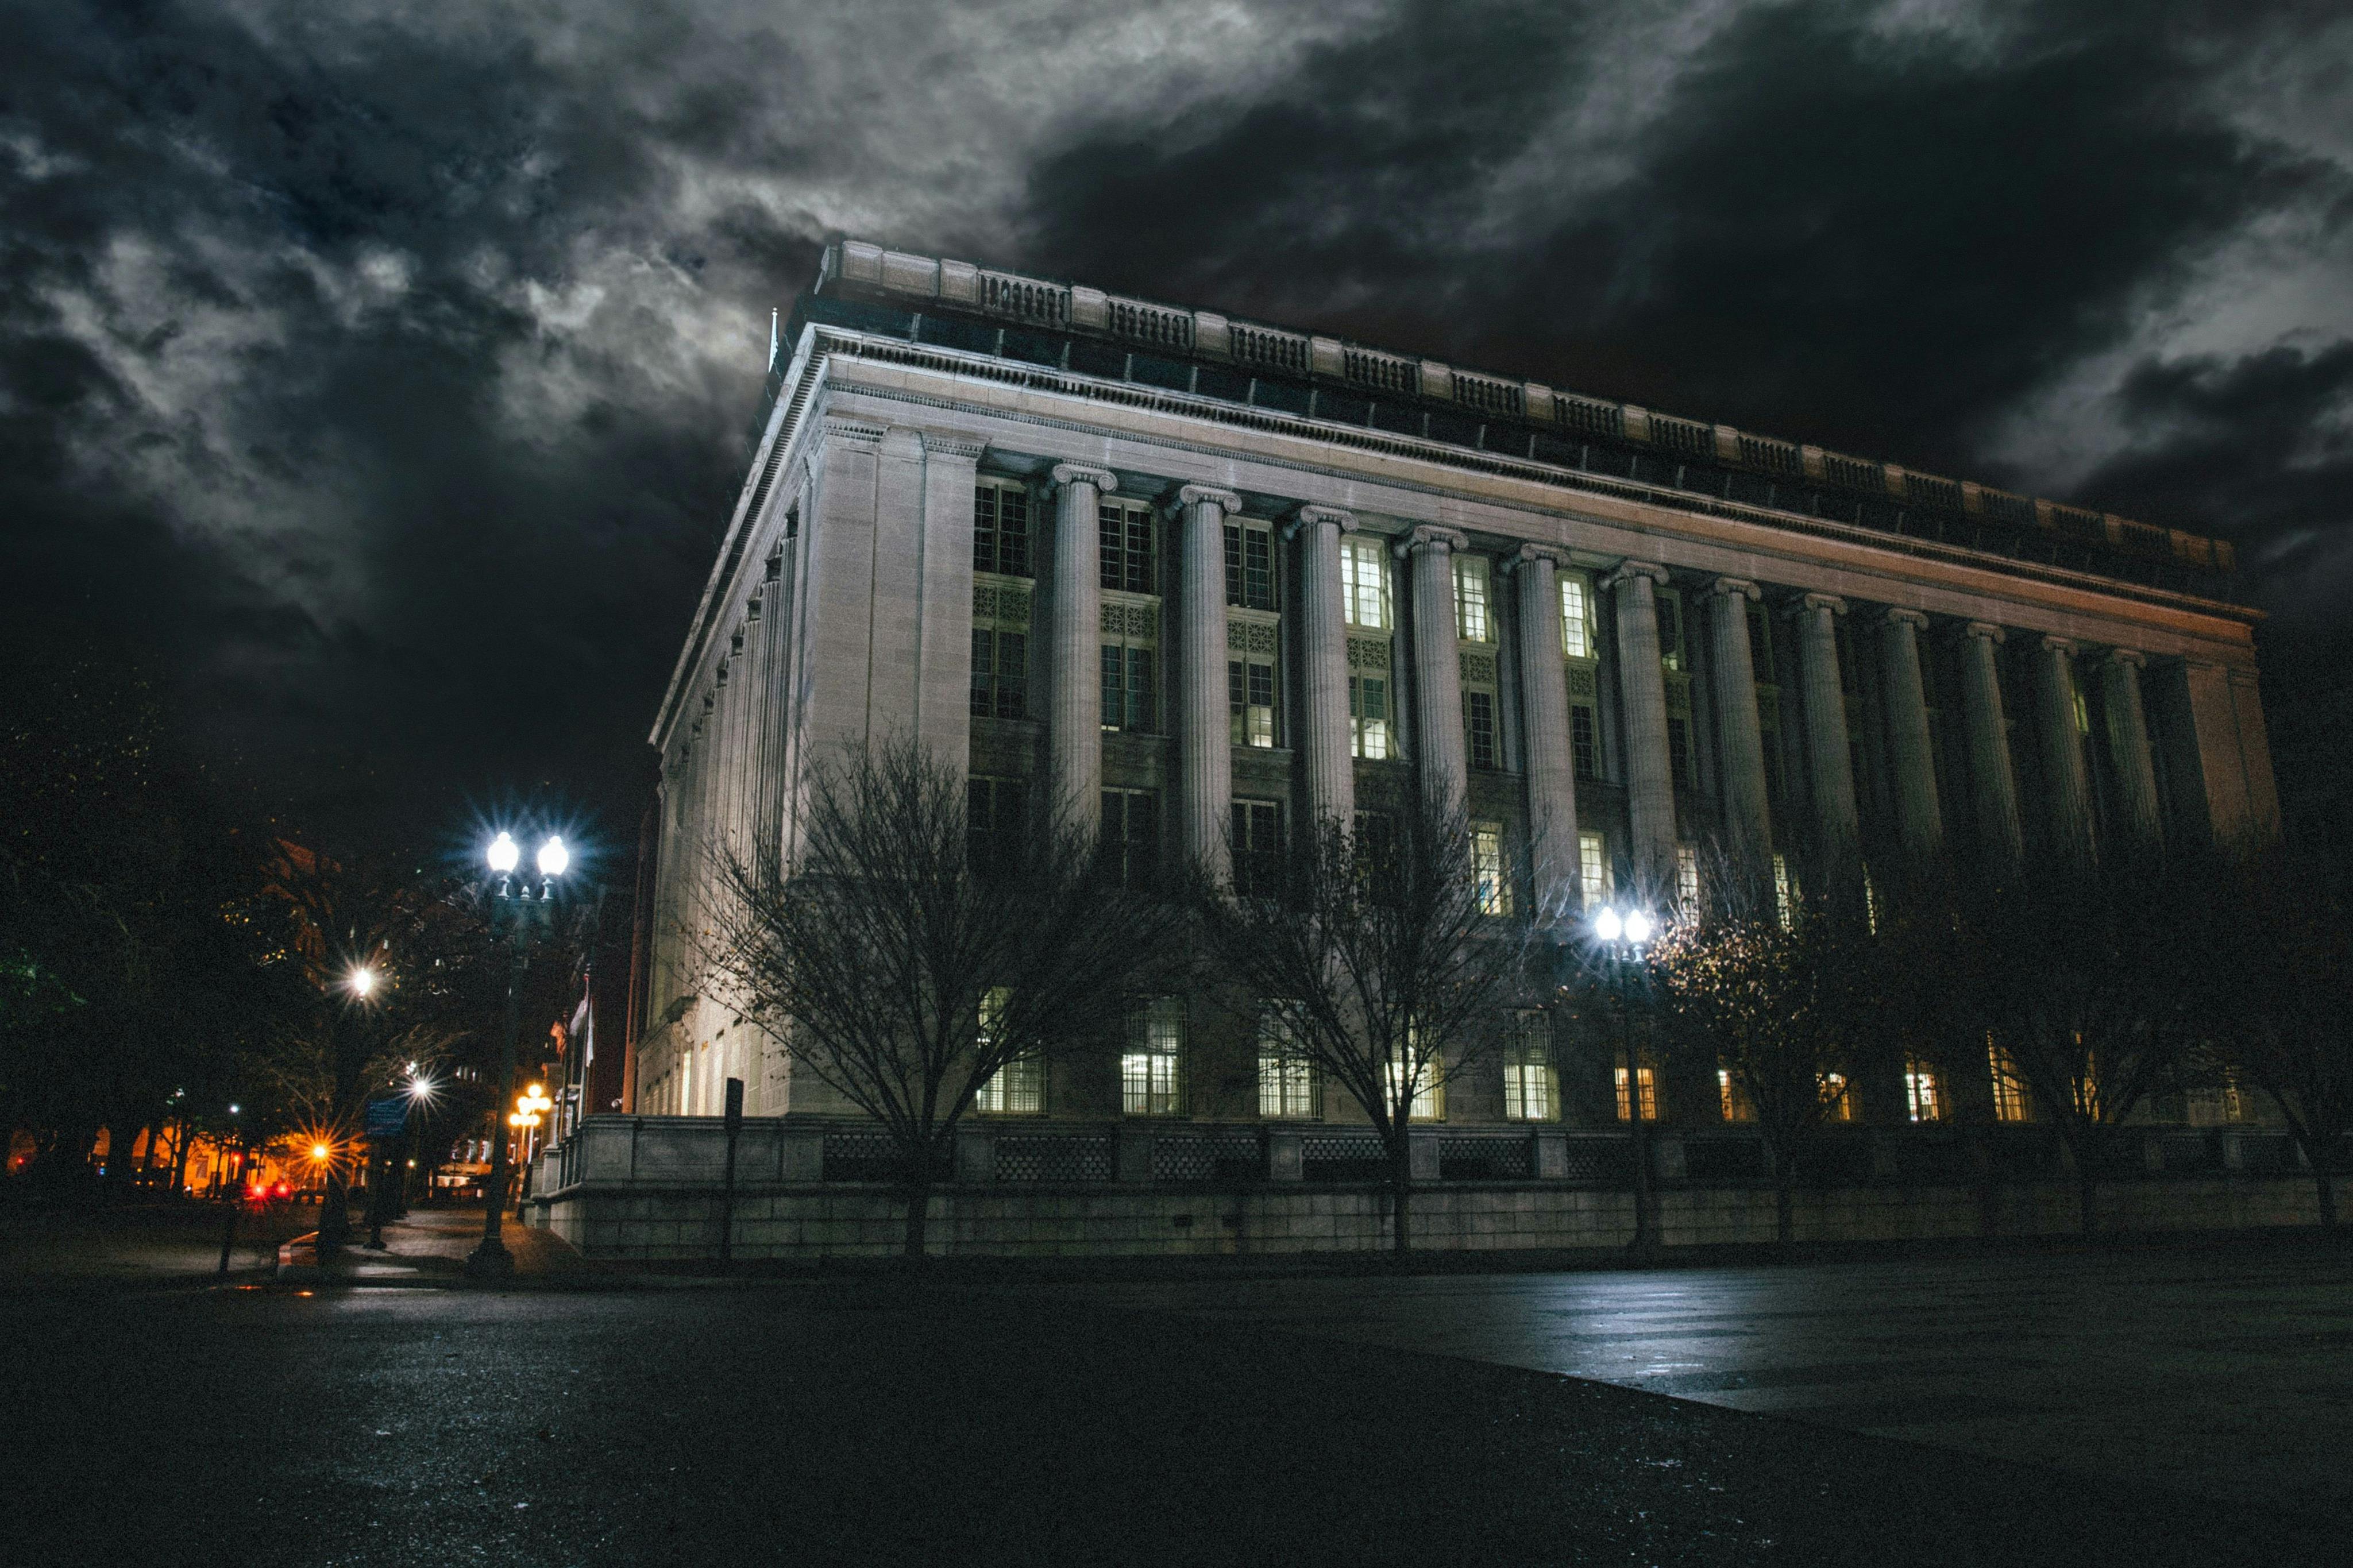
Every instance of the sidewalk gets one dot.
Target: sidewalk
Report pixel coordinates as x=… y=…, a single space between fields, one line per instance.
x=146 y=1243
x=431 y=1248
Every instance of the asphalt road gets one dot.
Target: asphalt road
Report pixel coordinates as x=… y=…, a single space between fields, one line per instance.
x=874 y=1422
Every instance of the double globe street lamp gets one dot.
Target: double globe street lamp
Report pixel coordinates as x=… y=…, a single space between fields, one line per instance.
x=521 y=911
x=1620 y=938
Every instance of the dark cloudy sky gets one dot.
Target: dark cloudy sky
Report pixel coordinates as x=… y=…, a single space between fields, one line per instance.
x=380 y=368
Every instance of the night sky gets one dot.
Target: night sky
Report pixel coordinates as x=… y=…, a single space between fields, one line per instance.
x=378 y=372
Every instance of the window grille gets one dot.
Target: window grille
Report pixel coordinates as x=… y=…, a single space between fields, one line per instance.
x=1127 y=544
x=1576 y=616
x=1487 y=868
x=1249 y=566
x=1365 y=583
x=1471 y=598
x=1368 y=716
x=1055 y=1157
x=1258 y=848
x=995 y=814
x=1151 y=1079
x=1000 y=529
x=1527 y=1070
x=1599 y=1160
x=1128 y=690
x=1342 y=1157
x=1016 y=1088
x=1286 y=1078
x=1735 y=1101
x=1783 y=892
x=1585 y=741
x=1923 y=1096
x=1478 y=719
x=1000 y=673
x=2010 y=1102
x=1131 y=836
x=1227 y=1156
x=1249 y=701
x=1428 y=1085
x=859 y=1156
x=1486 y=1159
x=1687 y=876
x=1593 y=868
x=1647 y=1077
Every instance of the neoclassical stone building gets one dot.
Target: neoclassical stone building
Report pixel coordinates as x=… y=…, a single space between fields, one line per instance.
x=1212 y=577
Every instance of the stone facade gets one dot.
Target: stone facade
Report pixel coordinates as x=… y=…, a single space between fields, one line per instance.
x=1190 y=567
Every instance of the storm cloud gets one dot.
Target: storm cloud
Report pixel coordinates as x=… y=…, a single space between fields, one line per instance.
x=383 y=370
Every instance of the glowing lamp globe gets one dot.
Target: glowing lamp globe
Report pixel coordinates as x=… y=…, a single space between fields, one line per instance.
x=1606 y=925
x=1638 y=927
x=554 y=857
x=504 y=855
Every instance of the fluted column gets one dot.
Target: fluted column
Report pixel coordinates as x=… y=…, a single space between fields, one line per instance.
x=1074 y=643
x=2128 y=747
x=1919 y=817
x=1437 y=666
x=1992 y=783
x=1544 y=722
x=1740 y=737
x=1643 y=698
x=2066 y=792
x=1830 y=760
x=776 y=711
x=1204 y=770
x=943 y=669
x=1324 y=663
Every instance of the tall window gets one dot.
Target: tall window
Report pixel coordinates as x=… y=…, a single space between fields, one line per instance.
x=1645 y=1080
x=1258 y=848
x=1687 y=876
x=1585 y=741
x=1487 y=865
x=1151 y=1077
x=1000 y=529
x=1376 y=845
x=1576 y=616
x=1592 y=867
x=2011 y=1101
x=1368 y=716
x=1783 y=892
x=1679 y=752
x=1479 y=720
x=995 y=819
x=1471 y=622
x=1018 y=1088
x=1429 y=1090
x=1836 y=1093
x=1131 y=836
x=1737 y=1105
x=1365 y=583
x=1000 y=673
x=1527 y=1069
x=1129 y=693
x=1286 y=1078
x=1249 y=701
x=1922 y=1095
x=1125 y=531
x=1249 y=566
x=1670 y=629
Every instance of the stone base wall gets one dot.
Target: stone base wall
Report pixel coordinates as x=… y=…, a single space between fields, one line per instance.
x=837 y=1220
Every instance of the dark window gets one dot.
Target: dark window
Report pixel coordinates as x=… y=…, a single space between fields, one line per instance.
x=1671 y=632
x=1152 y=371
x=1479 y=717
x=1131 y=836
x=1772 y=764
x=1585 y=742
x=1679 y=753
x=1258 y=848
x=1250 y=567
x=1761 y=646
x=1127 y=690
x=996 y=812
x=1377 y=851
x=1000 y=673
x=1279 y=394
x=1000 y=531
x=1126 y=538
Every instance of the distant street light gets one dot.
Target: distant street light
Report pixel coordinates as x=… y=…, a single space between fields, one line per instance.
x=362 y=981
x=524 y=916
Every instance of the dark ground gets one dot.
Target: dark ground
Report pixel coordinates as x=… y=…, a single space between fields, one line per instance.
x=861 y=1419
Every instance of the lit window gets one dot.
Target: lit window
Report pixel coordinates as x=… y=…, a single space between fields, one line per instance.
x=1834 y=1089
x=1364 y=583
x=1017 y=1087
x=1286 y=1078
x=1479 y=722
x=1124 y=531
x=1000 y=529
x=1429 y=1092
x=1737 y=1106
x=1249 y=566
x=1648 y=1077
x=1487 y=867
x=1870 y=902
x=1150 y=1072
x=1471 y=597
x=1592 y=867
x=1575 y=616
x=1784 y=908
x=2235 y=1105
x=1687 y=876
x=2010 y=1101
x=1923 y=1096
x=1527 y=1072
x=1249 y=701
x=1368 y=716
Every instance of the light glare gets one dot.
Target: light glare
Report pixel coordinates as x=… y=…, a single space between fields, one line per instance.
x=1638 y=927
x=504 y=855
x=1605 y=925
x=554 y=857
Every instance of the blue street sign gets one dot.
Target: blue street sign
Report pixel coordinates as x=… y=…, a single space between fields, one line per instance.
x=386 y=1117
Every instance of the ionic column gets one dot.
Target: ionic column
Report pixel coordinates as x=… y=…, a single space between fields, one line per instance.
x=1643 y=698
x=774 y=605
x=1204 y=771
x=1992 y=783
x=1324 y=663
x=1740 y=737
x=1543 y=722
x=1074 y=639
x=1919 y=819
x=2128 y=747
x=1437 y=666
x=2066 y=791
x=1829 y=762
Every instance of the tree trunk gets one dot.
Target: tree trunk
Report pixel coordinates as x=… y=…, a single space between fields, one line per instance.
x=1401 y=1194
x=180 y=1160
x=334 y=1211
x=919 y=1204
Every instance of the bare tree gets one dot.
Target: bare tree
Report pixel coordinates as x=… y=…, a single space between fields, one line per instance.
x=1778 y=988
x=906 y=960
x=1391 y=949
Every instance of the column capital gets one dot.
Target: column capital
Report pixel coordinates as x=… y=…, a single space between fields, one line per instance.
x=1431 y=536
x=2128 y=656
x=1080 y=474
x=1898 y=616
x=1551 y=556
x=1226 y=501
x=752 y=608
x=1630 y=569
x=857 y=430
x=2059 y=645
x=1986 y=630
x=953 y=444
x=1312 y=516
x=1807 y=603
x=1735 y=588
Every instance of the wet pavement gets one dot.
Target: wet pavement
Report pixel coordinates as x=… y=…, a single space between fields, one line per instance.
x=866 y=1419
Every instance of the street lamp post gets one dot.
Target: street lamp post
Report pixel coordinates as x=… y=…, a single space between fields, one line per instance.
x=523 y=913
x=1621 y=937
x=530 y=1106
